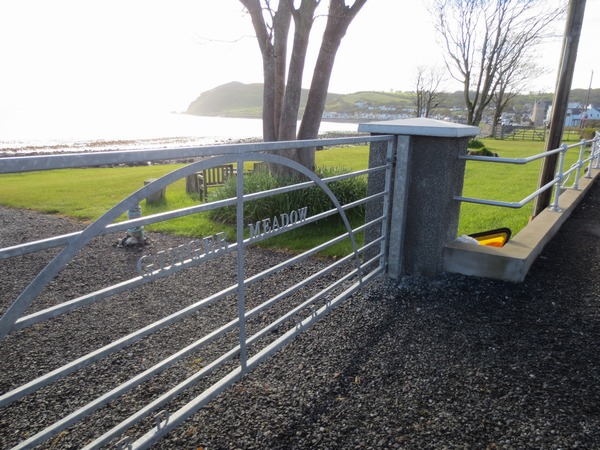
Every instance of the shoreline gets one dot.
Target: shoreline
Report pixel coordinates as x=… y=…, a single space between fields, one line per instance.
x=106 y=145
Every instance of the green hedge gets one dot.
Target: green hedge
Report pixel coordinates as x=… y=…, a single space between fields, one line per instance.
x=346 y=191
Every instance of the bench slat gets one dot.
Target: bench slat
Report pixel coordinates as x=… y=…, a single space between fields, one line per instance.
x=213 y=176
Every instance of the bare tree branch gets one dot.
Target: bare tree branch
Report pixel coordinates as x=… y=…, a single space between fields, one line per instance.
x=484 y=40
x=428 y=89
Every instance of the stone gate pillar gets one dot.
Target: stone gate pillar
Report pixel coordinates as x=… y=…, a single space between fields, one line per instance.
x=427 y=175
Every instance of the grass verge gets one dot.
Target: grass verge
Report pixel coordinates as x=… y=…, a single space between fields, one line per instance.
x=85 y=194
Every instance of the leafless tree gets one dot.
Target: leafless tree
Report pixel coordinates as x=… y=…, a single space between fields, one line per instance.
x=272 y=21
x=512 y=83
x=483 y=39
x=428 y=89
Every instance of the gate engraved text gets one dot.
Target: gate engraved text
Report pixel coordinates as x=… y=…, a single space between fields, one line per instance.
x=269 y=225
x=176 y=257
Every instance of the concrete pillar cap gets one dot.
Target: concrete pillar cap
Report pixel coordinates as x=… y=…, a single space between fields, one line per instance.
x=419 y=127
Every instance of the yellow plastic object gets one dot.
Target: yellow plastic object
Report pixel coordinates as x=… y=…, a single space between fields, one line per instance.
x=493 y=238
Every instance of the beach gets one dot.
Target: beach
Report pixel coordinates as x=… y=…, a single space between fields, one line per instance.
x=30 y=134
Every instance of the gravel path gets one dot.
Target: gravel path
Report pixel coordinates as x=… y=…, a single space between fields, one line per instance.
x=454 y=362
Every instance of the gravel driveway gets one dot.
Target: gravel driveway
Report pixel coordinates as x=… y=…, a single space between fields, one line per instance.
x=452 y=362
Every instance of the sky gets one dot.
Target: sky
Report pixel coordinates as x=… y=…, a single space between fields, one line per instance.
x=161 y=55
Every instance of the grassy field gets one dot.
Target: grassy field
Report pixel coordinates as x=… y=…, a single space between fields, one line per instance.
x=85 y=194
x=503 y=182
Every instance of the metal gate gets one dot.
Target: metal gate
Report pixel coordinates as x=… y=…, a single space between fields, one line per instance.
x=234 y=324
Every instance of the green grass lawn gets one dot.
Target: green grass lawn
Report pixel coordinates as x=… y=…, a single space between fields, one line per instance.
x=503 y=182
x=85 y=194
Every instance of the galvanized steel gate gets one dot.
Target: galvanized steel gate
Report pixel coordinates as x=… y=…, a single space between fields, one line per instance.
x=257 y=331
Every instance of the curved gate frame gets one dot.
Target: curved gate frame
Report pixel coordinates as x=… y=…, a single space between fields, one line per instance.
x=28 y=295
x=105 y=224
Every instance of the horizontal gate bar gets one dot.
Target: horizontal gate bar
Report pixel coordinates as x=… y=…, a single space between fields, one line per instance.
x=163 y=365
x=57 y=241
x=192 y=407
x=114 y=346
x=46 y=162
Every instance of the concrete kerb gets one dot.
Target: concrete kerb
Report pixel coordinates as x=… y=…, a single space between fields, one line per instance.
x=512 y=262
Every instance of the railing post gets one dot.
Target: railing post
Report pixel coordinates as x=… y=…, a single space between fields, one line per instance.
x=559 y=178
x=595 y=161
x=428 y=173
x=579 y=164
x=588 y=173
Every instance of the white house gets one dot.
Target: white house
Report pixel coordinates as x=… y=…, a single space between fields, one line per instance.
x=592 y=113
x=573 y=116
x=577 y=113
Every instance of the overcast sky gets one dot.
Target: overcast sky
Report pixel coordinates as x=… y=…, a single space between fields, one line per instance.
x=159 y=54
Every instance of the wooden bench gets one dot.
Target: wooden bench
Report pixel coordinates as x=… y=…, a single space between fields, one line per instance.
x=198 y=183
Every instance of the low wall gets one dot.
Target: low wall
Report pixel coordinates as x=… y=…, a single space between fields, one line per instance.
x=512 y=262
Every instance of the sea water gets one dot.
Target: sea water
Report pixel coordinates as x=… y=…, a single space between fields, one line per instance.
x=27 y=131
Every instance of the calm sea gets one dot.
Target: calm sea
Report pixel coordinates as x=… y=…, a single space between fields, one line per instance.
x=26 y=132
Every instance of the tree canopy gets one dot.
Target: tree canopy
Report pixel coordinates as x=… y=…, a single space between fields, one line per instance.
x=487 y=43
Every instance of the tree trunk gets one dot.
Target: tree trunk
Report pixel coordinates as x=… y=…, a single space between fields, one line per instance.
x=273 y=47
x=303 y=21
x=500 y=105
x=281 y=99
x=468 y=104
x=281 y=29
x=340 y=17
x=419 y=103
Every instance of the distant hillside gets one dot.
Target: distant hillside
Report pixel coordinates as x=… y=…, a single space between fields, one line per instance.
x=345 y=103
x=237 y=99
x=231 y=99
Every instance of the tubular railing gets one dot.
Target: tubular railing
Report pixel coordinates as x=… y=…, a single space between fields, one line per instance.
x=558 y=182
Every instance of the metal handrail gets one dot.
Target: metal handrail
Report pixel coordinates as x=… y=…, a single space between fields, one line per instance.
x=16 y=164
x=562 y=175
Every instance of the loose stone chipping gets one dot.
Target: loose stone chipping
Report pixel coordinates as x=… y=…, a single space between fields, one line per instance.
x=454 y=362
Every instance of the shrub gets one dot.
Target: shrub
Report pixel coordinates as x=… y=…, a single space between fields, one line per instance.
x=477 y=148
x=588 y=133
x=475 y=143
x=482 y=152
x=346 y=191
